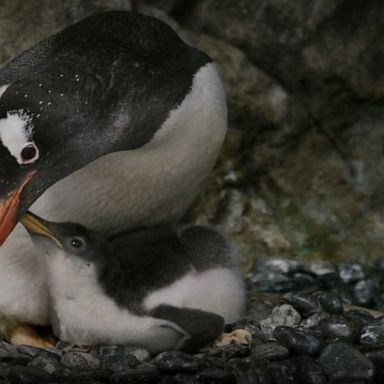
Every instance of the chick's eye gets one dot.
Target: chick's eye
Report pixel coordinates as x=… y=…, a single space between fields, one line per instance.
x=77 y=243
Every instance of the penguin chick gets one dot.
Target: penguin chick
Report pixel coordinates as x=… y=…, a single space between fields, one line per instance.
x=157 y=288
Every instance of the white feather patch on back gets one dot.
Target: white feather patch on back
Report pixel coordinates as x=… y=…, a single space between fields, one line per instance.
x=218 y=290
x=16 y=132
x=3 y=88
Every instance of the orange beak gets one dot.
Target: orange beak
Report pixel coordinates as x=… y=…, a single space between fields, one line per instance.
x=9 y=208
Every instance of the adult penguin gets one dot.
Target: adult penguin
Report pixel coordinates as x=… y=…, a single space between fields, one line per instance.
x=113 y=123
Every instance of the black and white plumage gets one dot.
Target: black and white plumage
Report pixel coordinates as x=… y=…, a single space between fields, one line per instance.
x=158 y=287
x=113 y=123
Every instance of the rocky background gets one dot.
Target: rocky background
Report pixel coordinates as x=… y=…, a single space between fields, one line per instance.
x=301 y=174
x=298 y=187
x=302 y=170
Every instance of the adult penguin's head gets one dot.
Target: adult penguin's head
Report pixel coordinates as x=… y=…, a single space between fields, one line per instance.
x=103 y=85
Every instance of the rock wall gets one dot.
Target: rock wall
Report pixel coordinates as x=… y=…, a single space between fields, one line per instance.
x=25 y=22
x=301 y=173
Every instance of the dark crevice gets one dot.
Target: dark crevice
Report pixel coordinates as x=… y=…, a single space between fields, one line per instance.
x=184 y=9
x=313 y=119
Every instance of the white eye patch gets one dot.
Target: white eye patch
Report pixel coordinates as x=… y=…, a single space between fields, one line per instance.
x=16 y=136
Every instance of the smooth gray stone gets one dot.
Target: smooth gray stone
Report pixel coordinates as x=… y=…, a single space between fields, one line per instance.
x=341 y=361
x=269 y=351
x=80 y=360
x=176 y=361
x=298 y=341
x=28 y=375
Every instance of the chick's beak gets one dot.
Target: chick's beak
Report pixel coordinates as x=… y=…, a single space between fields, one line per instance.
x=9 y=209
x=35 y=225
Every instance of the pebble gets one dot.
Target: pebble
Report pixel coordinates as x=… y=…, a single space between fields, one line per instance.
x=285 y=266
x=340 y=327
x=119 y=358
x=176 y=361
x=270 y=351
x=180 y=378
x=333 y=284
x=373 y=332
x=258 y=309
x=14 y=358
x=215 y=375
x=37 y=352
x=377 y=358
x=272 y=281
x=28 y=375
x=341 y=361
x=88 y=376
x=351 y=272
x=283 y=315
x=47 y=364
x=4 y=370
x=263 y=375
x=211 y=362
x=302 y=281
x=80 y=360
x=365 y=291
x=331 y=303
x=268 y=327
x=364 y=316
x=306 y=304
x=298 y=341
x=6 y=347
x=313 y=320
x=136 y=376
x=320 y=267
x=243 y=371
x=284 y=372
x=141 y=354
x=310 y=372
x=230 y=351
x=257 y=334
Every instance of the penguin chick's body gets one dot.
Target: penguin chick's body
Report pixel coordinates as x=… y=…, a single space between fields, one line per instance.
x=157 y=288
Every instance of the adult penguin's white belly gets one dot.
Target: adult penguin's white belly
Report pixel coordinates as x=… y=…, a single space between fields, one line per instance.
x=152 y=184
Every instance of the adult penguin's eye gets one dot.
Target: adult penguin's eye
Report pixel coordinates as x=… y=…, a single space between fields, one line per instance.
x=29 y=153
x=77 y=243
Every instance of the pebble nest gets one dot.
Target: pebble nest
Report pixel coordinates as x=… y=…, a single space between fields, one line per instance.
x=305 y=329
